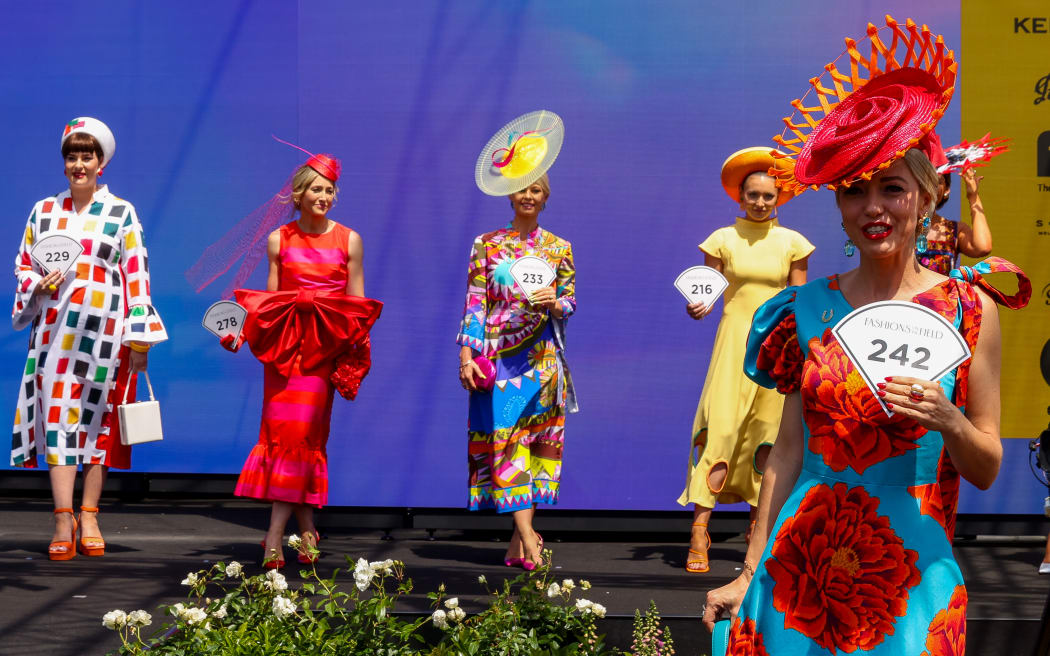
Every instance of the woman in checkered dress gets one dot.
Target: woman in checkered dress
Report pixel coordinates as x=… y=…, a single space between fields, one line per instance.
x=92 y=326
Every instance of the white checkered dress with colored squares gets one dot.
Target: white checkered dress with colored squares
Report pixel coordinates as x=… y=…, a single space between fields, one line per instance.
x=74 y=349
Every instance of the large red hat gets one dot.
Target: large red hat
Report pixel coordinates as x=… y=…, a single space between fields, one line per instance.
x=861 y=122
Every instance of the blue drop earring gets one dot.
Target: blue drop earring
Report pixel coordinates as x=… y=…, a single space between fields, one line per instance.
x=849 y=248
x=920 y=242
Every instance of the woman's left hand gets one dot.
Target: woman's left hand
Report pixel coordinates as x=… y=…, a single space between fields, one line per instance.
x=931 y=409
x=972 y=181
x=138 y=360
x=545 y=298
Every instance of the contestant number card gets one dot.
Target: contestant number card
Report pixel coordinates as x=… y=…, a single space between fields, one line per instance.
x=701 y=284
x=225 y=318
x=897 y=338
x=56 y=253
x=532 y=273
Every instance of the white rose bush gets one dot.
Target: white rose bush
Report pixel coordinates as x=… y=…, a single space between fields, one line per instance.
x=228 y=612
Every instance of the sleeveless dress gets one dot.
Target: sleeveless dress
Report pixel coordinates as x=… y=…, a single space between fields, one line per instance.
x=516 y=431
x=942 y=254
x=860 y=557
x=78 y=363
x=298 y=333
x=736 y=417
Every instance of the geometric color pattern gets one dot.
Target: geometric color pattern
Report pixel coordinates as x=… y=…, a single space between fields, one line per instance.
x=859 y=558
x=289 y=463
x=78 y=331
x=516 y=431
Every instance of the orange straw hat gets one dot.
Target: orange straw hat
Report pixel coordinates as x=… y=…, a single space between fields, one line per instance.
x=743 y=163
x=858 y=123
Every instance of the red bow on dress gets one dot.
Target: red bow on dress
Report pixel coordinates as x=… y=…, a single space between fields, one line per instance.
x=315 y=326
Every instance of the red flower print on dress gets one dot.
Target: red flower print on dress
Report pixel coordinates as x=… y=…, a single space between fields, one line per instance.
x=744 y=640
x=847 y=426
x=947 y=632
x=841 y=574
x=781 y=357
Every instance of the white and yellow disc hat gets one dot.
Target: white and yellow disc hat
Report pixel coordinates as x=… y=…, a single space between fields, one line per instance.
x=96 y=128
x=520 y=153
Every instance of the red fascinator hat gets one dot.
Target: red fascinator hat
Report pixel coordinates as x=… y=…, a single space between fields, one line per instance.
x=245 y=242
x=850 y=125
x=326 y=165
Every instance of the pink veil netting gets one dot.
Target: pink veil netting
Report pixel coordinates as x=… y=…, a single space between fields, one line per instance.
x=248 y=237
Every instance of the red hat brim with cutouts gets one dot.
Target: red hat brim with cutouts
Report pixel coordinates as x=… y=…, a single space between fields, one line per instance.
x=861 y=122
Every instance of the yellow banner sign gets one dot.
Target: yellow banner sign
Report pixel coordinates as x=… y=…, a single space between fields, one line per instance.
x=1005 y=85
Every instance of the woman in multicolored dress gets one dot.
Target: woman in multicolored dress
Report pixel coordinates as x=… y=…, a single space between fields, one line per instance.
x=92 y=327
x=853 y=547
x=736 y=420
x=947 y=239
x=310 y=331
x=516 y=430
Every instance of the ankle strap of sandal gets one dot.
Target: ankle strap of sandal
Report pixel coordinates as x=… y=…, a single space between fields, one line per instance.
x=88 y=509
x=699 y=523
x=59 y=511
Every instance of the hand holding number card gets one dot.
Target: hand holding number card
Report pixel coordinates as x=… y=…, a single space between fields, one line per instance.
x=56 y=253
x=532 y=273
x=701 y=284
x=225 y=318
x=897 y=338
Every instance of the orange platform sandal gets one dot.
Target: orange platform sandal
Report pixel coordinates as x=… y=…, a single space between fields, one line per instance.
x=699 y=564
x=90 y=546
x=63 y=549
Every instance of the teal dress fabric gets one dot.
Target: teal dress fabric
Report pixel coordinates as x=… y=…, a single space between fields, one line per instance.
x=860 y=557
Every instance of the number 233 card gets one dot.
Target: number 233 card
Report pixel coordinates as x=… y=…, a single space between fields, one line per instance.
x=898 y=338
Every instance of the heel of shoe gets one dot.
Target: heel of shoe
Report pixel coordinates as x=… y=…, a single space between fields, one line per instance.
x=93 y=546
x=63 y=549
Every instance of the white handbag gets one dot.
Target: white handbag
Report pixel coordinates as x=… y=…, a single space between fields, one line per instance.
x=140 y=422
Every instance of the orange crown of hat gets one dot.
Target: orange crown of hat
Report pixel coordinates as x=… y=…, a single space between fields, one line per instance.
x=743 y=163
x=858 y=123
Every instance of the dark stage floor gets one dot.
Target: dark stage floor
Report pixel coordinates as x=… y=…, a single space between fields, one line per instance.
x=56 y=607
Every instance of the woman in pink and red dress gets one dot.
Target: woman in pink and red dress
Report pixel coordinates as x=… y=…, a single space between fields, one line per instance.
x=310 y=331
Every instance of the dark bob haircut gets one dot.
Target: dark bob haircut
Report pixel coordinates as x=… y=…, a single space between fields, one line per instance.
x=81 y=142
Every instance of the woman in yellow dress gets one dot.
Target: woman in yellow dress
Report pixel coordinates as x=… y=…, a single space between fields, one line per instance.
x=737 y=421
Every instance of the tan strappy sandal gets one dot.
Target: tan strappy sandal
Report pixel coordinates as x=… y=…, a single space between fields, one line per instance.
x=699 y=565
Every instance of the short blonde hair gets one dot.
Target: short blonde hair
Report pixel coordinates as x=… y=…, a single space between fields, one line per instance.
x=927 y=177
x=545 y=184
x=302 y=179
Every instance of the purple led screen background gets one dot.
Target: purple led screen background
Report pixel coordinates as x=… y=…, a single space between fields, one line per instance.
x=654 y=96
